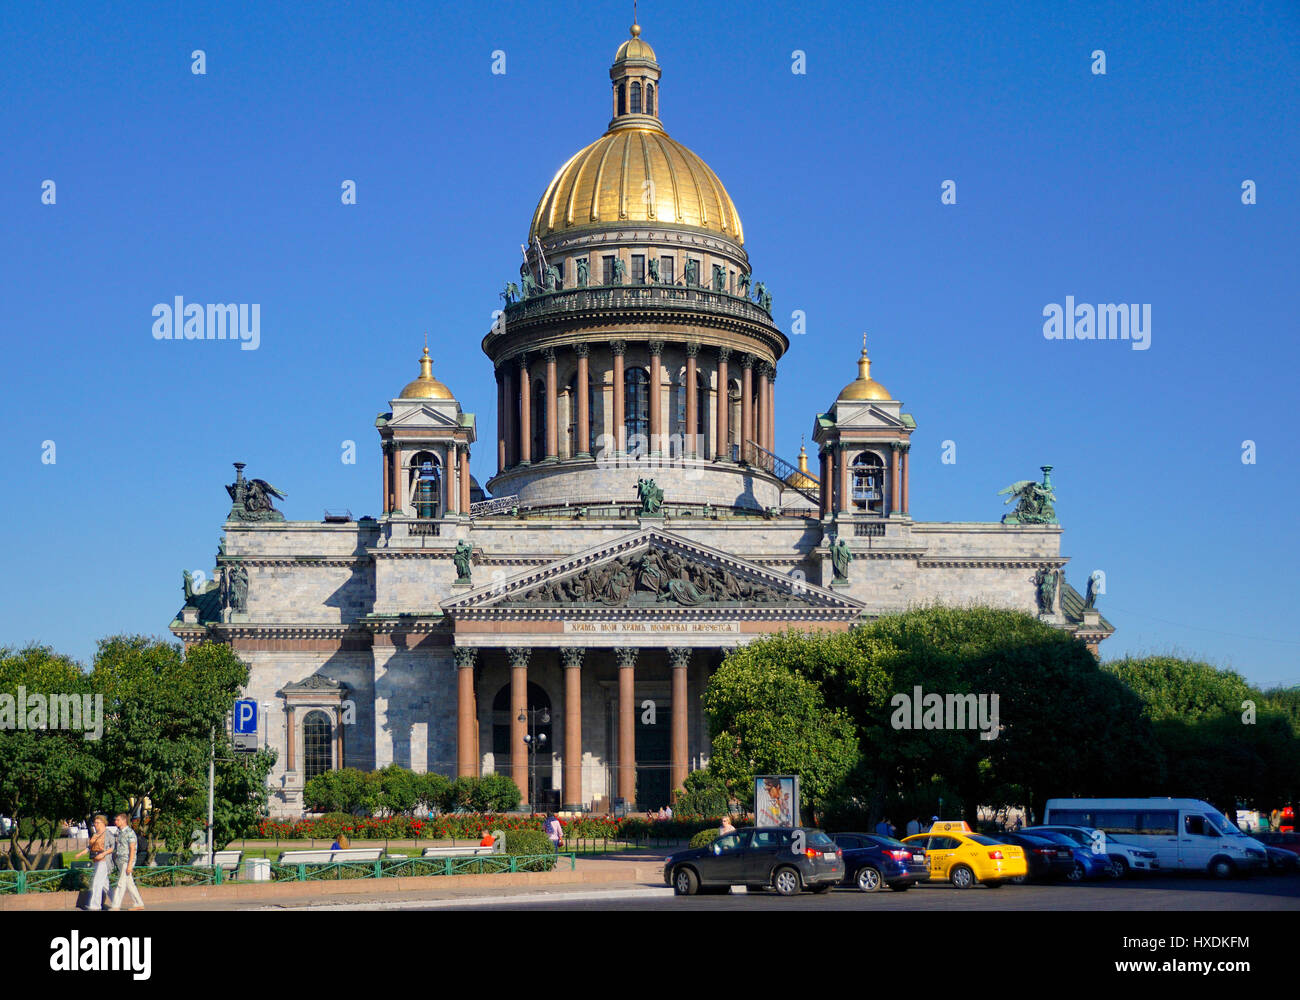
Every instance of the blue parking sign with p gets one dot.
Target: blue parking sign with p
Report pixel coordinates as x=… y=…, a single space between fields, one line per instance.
x=245 y=717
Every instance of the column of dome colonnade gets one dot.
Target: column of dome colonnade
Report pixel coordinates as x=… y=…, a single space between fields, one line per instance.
x=572 y=659
x=520 y=424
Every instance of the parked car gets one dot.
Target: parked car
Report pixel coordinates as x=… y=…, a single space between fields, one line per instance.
x=872 y=861
x=1087 y=864
x=1048 y=860
x=1125 y=858
x=1281 y=861
x=787 y=860
x=966 y=858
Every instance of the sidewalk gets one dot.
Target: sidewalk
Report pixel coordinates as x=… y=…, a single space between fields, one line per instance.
x=622 y=872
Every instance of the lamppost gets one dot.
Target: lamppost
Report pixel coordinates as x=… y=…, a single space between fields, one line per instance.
x=535 y=742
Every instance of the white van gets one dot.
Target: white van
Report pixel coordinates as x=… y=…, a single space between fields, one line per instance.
x=1185 y=834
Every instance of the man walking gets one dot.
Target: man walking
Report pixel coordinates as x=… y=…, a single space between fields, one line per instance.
x=124 y=855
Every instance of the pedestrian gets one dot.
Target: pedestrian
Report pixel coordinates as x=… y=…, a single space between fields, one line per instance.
x=554 y=830
x=914 y=825
x=488 y=840
x=668 y=812
x=100 y=852
x=341 y=844
x=124 y=855
x=726 y=827
x=885 y=828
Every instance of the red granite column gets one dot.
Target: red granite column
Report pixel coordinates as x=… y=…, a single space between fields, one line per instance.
x=510 y=409
x=771 y=408
x=466 y=720
x=501 y=422
x=464 y=479
x=827 y=484
x=626 y=783
x=760 y=419
x=656 y=400
x=388 y=469
x=518 y=708
x=525 y=415
x=552 y=406
x=906 y=477
x=618 y=347
x=571 y=656
x=679 y=659
x=747 y=407
x=846 y=496
x=582 y=447
x=448 y=480
x=691 y=442
x=896 y=495
x=724 y=403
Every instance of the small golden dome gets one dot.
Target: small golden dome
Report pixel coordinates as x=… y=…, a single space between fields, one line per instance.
x=635 y=175
x=634 y=48
x=426 y=386
x=864 y=386
x=802 y=478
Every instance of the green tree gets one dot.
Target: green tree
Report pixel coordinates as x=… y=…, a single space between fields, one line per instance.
x=162 y=709
x=766 y=718
x=398 y=790
x=46 y=775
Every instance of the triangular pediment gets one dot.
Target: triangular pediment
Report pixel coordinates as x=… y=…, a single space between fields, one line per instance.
x=437 y=415
x=652 y=570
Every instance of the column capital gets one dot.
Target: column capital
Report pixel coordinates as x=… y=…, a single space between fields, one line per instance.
x=582 y=350
x=748 y=361
x=771 y=373
x=521 y=359
x=767 y=370
x=548 y=354
x=466 y=656
x=724 y=354
x=518 y=655
x=896 y=446
x=626 y=656
x=692 y=348
x=904 y=446
x=679 y=656
x=571 y=656
x=618 y=346
x=656 y=347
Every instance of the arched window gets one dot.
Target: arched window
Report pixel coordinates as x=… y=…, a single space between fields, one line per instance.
x=424 y=484
x=636 y=410
x=636 y=98
x=679 y=429
x=622 y=99
x=868 y=483
x=593 y=423
x=538 y=704
x=649 y=98
x=317 y=745
x=539 y=420
x=733 y=414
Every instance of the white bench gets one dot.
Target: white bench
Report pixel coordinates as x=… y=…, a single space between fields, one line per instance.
x=227 y=861
x=460 y=852
x=326 y=856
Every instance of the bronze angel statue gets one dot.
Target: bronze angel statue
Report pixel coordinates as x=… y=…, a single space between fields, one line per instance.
x=1033 y=500
x=250 y=499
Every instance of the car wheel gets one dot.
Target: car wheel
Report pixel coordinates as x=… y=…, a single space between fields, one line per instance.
x=823 y=888
x=787 y=882
x=1118 y=868
x=962 y=877
x=685 y=882
x=1222 y=868
x=1077 y=874
x=868 y=879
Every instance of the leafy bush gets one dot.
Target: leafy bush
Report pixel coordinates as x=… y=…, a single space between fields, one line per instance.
x=705 y=837
x=434 y=792
x=531 y=842
x=499 y=793
x=702 y=794
x=398 y=789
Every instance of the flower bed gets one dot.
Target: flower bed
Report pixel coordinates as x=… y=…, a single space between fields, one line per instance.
x=472 y=826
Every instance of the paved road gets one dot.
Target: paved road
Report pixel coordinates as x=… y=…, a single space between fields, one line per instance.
x=1165 y=893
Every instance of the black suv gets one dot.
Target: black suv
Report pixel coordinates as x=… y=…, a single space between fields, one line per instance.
x=787 y=860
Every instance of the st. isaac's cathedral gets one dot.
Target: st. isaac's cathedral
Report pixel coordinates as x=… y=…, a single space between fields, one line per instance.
x=561 y=627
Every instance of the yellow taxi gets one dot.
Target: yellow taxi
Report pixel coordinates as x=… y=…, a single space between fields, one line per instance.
x=964 y=858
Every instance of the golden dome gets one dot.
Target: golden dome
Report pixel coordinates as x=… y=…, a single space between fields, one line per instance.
x=802 y=478
x=605 y=184
x=426 y=386
x=634 y=48
x=864 y=386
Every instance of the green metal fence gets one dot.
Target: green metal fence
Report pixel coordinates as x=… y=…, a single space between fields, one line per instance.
x=79 y=878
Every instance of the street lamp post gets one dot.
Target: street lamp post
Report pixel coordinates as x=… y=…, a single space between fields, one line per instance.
x=536 y=742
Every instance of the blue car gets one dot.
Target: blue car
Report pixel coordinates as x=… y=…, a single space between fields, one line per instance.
x=1087 y=863
x=872 y=861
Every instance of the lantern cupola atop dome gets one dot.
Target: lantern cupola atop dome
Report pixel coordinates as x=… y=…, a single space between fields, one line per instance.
x=635 y=76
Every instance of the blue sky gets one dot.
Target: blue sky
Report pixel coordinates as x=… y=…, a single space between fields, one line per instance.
x=225 y=187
